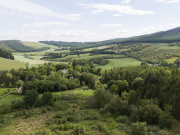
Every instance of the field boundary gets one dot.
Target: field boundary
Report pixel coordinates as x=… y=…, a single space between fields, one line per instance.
x=4 y=95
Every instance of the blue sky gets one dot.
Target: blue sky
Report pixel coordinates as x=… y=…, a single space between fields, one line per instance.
x=85 y=20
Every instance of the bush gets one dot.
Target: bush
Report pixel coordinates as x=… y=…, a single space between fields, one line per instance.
x=2 y=119
x=162 y=132
x=138 y=128
x=59 y=114
x=101 y=98
x=71 y=118
x=79 y=130
x=165 y=120
x=47 y=98
x=153 y=129
x=102 y=128
x=5 y=108
x=123 y=119
x=30 y=98
x=17 y=104
x=89 y=102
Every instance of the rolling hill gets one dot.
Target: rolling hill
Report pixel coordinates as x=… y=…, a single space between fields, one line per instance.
x=168 y=36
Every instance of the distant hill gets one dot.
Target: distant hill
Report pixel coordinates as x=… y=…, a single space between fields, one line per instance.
x=18 y=46
x=168 y=36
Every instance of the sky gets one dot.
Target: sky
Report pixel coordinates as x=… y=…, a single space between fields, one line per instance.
x=85 y=20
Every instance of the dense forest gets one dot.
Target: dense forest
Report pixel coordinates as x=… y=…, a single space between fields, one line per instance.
x=6 y=54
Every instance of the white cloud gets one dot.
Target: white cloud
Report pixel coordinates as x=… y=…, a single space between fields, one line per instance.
x=120 y=9
x=117 y=14
x=126 y=1
x=45 y=24
x=35 y=9
x=111 y=25
x=175 y=24
x=59 y=35
x=76 y=35
x=167 y=1
x=11 y=24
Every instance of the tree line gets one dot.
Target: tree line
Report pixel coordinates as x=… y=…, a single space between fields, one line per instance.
x=6 y=54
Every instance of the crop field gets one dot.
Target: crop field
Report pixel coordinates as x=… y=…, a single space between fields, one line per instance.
x=37 y=44
x=119 y=63
x=86 y=57
x=33 y=62
x=7 y=64
x=98 y=48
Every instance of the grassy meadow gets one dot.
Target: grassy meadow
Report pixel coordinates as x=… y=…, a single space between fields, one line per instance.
x=119 y=63
x=7 y=64
x=37 y=44
x=33 y=62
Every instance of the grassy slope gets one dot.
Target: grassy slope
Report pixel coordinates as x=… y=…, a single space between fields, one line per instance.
x=37 y=44
x=32 y=61
x=7 y=64
x=4 y=88
x=86 y=92
x=119 y=63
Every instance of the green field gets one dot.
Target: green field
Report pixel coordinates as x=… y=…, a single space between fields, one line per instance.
x=97 y=48
x=33 y=62
x=85 y=91
x=119 y=63
x=86 y=57
x=4 y=88
x=37 y=44
x=7 y=64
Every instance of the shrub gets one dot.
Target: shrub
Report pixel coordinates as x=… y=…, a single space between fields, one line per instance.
x=71 y=118
x=79 y=130
x=138 y=128
x=165 y=120
x=2 y=119
x=47 y=98
x=153 y=129
x=30 y=98
x=5 y=108
x=102 y=128
x=17 y=104
x=101 y=98
x=123 y=119
x=162 y=132
x=49 y=108
x=59 y=114
x=89 y=102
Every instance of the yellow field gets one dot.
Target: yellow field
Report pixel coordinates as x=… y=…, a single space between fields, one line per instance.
x=7 y=64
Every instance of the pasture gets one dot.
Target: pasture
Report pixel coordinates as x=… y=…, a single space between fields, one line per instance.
x=7 y=64
x=5 y=88
x=119 y=63
x=34 y=62
x=87 y=57
x=97 y=48
x=37 y=44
